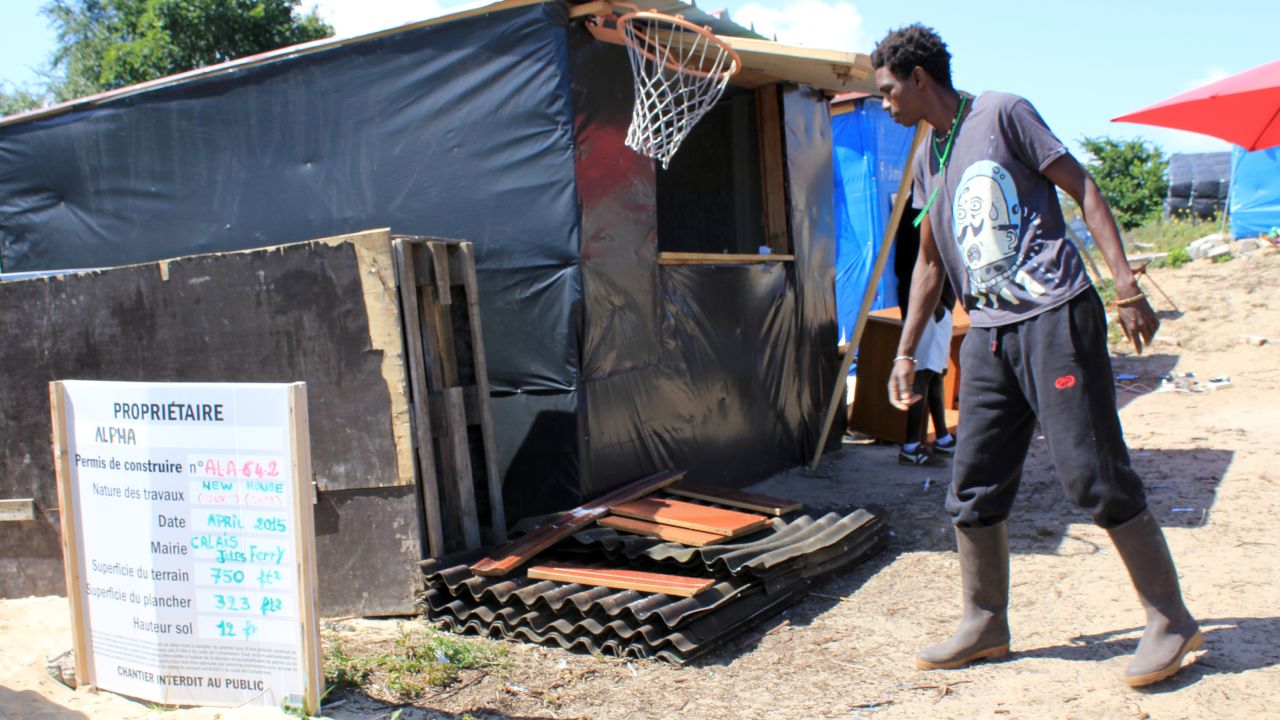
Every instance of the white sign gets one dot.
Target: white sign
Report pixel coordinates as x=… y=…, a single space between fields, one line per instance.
x=187 y=524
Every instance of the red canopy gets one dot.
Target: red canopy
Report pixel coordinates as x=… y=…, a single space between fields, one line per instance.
x=1243 y=109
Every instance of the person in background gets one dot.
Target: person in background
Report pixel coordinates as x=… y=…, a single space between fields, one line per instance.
x=932 y=353
x=987 y=175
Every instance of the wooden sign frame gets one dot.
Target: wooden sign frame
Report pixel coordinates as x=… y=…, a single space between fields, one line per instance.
x=298 y=442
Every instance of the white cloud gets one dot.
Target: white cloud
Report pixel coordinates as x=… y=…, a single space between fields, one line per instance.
x=812 y=23
x=1212 y=74
x=357 y=17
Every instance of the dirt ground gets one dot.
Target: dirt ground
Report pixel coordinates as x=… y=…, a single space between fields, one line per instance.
x=1206 y=450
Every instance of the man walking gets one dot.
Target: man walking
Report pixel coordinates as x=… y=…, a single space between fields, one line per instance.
x=987 y=176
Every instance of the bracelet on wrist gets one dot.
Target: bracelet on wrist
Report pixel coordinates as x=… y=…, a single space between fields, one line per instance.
x=1131 y=299
x=904 y=357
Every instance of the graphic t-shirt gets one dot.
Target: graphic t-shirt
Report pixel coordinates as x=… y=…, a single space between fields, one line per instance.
x=996 y=219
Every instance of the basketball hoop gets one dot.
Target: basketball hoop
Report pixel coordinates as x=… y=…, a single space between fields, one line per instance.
x=680 y=70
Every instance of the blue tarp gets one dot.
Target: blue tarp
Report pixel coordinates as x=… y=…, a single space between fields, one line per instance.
x=870 y=151
x=1255 y=191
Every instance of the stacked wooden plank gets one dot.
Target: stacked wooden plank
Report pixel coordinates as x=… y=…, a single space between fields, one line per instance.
x=457 y=459
x=608 y=605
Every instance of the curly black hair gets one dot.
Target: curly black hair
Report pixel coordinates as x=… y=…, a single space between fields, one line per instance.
x=905 y=48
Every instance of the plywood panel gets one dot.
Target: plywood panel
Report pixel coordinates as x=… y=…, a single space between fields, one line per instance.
x=323 y=312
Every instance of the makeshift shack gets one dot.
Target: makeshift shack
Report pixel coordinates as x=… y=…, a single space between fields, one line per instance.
x=631 y=320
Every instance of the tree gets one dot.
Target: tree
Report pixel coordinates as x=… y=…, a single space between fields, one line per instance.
x=1131 y=174
x=14 y=100
x=106 y=44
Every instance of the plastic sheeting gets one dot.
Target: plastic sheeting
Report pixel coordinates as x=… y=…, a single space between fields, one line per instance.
x=870 y=153
x=505 y=129
x=461 y=129
x=1198 y=184
x=1255 y=191
x=328 y=143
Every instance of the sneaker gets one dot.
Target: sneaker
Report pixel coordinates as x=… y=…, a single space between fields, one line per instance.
x=919 y=457
x=946 y=449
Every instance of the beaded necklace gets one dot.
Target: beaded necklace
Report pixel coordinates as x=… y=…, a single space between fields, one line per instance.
x=943 y=157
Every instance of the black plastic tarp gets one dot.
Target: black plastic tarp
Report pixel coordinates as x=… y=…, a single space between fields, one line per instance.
x=1198 y=184
x=505 y=129
x=461 y=129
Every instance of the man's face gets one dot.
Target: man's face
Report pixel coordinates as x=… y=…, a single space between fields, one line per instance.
x=902 y=96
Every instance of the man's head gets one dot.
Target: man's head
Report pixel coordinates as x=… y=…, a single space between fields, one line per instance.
x=911 y=63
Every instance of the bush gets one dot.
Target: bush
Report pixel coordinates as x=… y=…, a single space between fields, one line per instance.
x=1131 y=176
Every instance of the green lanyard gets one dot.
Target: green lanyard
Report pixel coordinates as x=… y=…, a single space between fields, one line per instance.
x=942 y=161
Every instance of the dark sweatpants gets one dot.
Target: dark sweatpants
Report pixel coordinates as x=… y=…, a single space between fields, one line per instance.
x=1054 y=368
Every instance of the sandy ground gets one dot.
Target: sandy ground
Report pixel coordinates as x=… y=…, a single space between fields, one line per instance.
x=1209 y=458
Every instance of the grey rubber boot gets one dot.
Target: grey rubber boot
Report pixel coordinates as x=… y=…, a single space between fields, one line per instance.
x=984 y=626
x=1171 y=631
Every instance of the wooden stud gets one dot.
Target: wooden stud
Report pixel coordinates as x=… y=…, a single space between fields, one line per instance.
x=440 y=266
x=304 y=500
x=729 y=523
x=497 y=510
x=868 y=297
x=670 y=533
x=462 y=467
x=428 y=481
x=736 y=498
x=773 y=171
x=677 y=585
x=682 y=258
x=68 y=509
x=519 y=551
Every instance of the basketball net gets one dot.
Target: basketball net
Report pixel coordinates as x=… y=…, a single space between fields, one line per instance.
x=680 y=70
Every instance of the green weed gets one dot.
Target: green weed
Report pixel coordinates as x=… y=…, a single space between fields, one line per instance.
x=417 y=662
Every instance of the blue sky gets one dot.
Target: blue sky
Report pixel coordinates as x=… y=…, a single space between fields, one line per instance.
x=1081 y=63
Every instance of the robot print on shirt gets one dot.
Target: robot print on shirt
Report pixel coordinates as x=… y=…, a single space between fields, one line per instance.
x=987 y=222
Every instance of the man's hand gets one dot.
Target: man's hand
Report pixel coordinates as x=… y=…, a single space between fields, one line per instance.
x=1138 y=321
x=901 y=381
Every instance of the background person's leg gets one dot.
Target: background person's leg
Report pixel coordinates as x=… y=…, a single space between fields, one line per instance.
x=913 y=451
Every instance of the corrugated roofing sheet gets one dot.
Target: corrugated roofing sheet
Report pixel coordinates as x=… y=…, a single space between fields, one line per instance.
x=757 y=576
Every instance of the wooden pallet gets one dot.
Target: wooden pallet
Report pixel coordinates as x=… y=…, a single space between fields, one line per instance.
x=449 y=385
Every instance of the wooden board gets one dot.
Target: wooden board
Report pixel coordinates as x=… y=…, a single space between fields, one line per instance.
x=18 y=510
x=773 y=168
x=518 y=552
x=684 y=536
x=736 y=498
x=622 y=579
x=684 y=258
x=428 y=478
x=729 y=523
